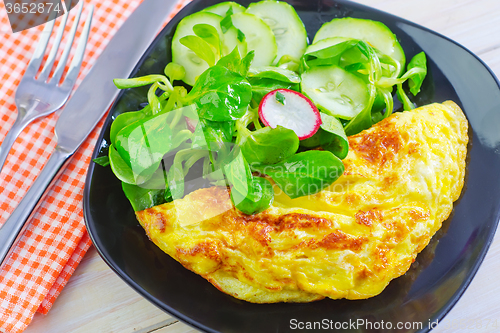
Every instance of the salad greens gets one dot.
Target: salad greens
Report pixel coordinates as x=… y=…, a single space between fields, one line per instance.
x=143 y=144
x=249 y=194
x=332 y=136
x=215 y=123
x=267 y=145
x=304 y=173
x=379 y=72
x=266 y=79
x=280 y=98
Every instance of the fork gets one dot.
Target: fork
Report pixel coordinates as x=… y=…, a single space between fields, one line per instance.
x=40 y=96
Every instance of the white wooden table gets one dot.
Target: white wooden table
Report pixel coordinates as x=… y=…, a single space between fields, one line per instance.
x=97 y=300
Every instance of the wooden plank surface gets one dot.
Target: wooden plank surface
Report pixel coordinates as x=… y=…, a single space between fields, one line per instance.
x=97 y=300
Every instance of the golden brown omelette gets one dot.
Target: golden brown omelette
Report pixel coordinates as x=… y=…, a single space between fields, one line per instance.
x=348 y=241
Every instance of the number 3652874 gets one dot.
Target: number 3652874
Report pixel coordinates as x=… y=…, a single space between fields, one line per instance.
x=32 y=8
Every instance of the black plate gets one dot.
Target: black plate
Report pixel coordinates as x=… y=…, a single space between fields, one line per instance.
x=424 y=294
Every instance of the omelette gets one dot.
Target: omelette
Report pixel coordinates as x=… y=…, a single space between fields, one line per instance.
x=350 y=240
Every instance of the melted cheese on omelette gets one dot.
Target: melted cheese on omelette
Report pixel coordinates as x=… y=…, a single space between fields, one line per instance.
x=348 y=241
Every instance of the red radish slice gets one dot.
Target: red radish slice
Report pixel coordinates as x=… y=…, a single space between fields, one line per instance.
x=292 y=110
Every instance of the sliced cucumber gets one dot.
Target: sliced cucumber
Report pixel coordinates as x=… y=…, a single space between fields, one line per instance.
x=324 y=43
x=374 y=33
x=183 y=56
x=347 y=55
x=287 y=27
x=258 y=36
x=193 y=64
x=230 y=41
x=335 y=91
x=222 y=8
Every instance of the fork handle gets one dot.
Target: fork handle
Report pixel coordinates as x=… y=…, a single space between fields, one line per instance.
x=25 y=116
x=14 y=226
x=10 y=138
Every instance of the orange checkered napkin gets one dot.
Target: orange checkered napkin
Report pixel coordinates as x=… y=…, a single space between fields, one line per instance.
x=56 y=239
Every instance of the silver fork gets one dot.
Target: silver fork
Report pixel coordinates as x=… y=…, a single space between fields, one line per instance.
x=38 y=97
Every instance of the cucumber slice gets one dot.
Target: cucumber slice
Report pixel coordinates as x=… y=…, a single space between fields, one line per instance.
x=287 y=27
x=222 y=8
x=375 y=33
x=230 y=41
x=324 y=43
x=258 y=36
x=351 y=55
x=183 y=56
x=335 y=91
x=193 y=64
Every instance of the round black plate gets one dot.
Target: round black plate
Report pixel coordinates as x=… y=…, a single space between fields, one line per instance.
x=424 y=294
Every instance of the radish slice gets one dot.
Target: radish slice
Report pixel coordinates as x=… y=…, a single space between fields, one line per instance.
x=292 y=110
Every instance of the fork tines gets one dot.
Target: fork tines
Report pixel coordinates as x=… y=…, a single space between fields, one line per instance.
x=74 y=68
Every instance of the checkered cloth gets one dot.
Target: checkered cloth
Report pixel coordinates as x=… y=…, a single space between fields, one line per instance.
x=56 y=239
